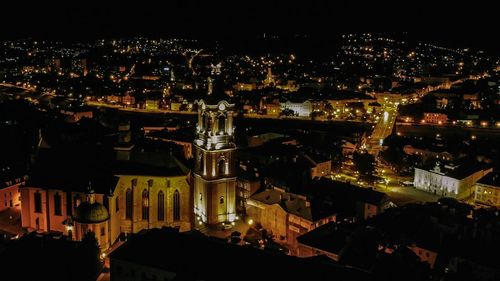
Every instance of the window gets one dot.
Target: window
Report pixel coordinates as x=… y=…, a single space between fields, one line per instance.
x=221 y=200
x=177 y=205
x=78 y=200
x=145 y=204
x=168 y=183
x=200 y=161
x=57 y=204
x=128 y=204
x=222 y=166
x=161 y=206
x=427 y=254
x=221 y=124
x=117 y=203
x=201 y=197
x=38 y=202
x=102 y=231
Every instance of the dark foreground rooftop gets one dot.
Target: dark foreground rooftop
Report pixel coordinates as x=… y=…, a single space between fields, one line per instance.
x=194 y=256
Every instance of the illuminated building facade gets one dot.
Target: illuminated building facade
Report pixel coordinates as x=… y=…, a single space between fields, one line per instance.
x=449 y=180
x=214 y=172
x=137 y=198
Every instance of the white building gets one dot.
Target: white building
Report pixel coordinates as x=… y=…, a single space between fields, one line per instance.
x=303 y=109
x=449 y=180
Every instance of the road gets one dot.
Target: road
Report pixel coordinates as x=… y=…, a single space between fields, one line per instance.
x=382 y=129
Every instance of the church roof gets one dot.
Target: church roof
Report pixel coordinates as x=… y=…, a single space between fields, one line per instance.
x=135 y=168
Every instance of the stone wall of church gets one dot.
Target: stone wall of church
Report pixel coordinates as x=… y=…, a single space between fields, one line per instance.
x=44 y=217
x=140 y=185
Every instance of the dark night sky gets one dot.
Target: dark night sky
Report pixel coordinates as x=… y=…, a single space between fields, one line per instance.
x=447 y=23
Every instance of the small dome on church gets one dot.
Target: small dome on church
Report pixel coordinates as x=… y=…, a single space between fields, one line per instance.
x=91 y=212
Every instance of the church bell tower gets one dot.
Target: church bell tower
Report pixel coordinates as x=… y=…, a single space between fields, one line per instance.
x=214 y=172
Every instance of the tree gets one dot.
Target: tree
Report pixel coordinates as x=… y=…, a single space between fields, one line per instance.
x=364 y=162
x=89 y=257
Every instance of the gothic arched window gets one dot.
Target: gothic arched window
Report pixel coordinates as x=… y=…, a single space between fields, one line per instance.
x=145 y=204
x=161 y=206
x=177 y=205
x=128 y=204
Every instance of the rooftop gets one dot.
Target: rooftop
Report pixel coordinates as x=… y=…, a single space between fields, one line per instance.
x=330 y=237
x=492 y=179
x=193 y=256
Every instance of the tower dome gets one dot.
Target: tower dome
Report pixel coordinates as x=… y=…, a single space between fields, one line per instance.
x=91 y=212
x=88 y=212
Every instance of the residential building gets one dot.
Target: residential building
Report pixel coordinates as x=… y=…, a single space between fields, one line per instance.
x=487 y=190
x=435 y=118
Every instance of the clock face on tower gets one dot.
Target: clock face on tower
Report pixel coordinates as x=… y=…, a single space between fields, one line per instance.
x=222 y=106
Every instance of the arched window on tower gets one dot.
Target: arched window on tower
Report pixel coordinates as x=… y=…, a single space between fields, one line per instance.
x=199 y=161
x=221 y=124
x=145 y=204
x=128 y=204
x=208 y=124
x=177 y=205
x=222 y=165
x=161 y=206
x=204 y=121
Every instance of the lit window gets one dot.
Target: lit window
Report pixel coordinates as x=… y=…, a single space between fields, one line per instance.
x=145 y=205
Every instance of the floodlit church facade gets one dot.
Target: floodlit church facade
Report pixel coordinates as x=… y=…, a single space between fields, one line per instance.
x=134 y=203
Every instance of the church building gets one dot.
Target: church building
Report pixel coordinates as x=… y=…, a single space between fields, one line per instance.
x=71 y=196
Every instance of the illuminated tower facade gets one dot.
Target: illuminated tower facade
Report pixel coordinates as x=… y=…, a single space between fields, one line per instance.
x=214 y=173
